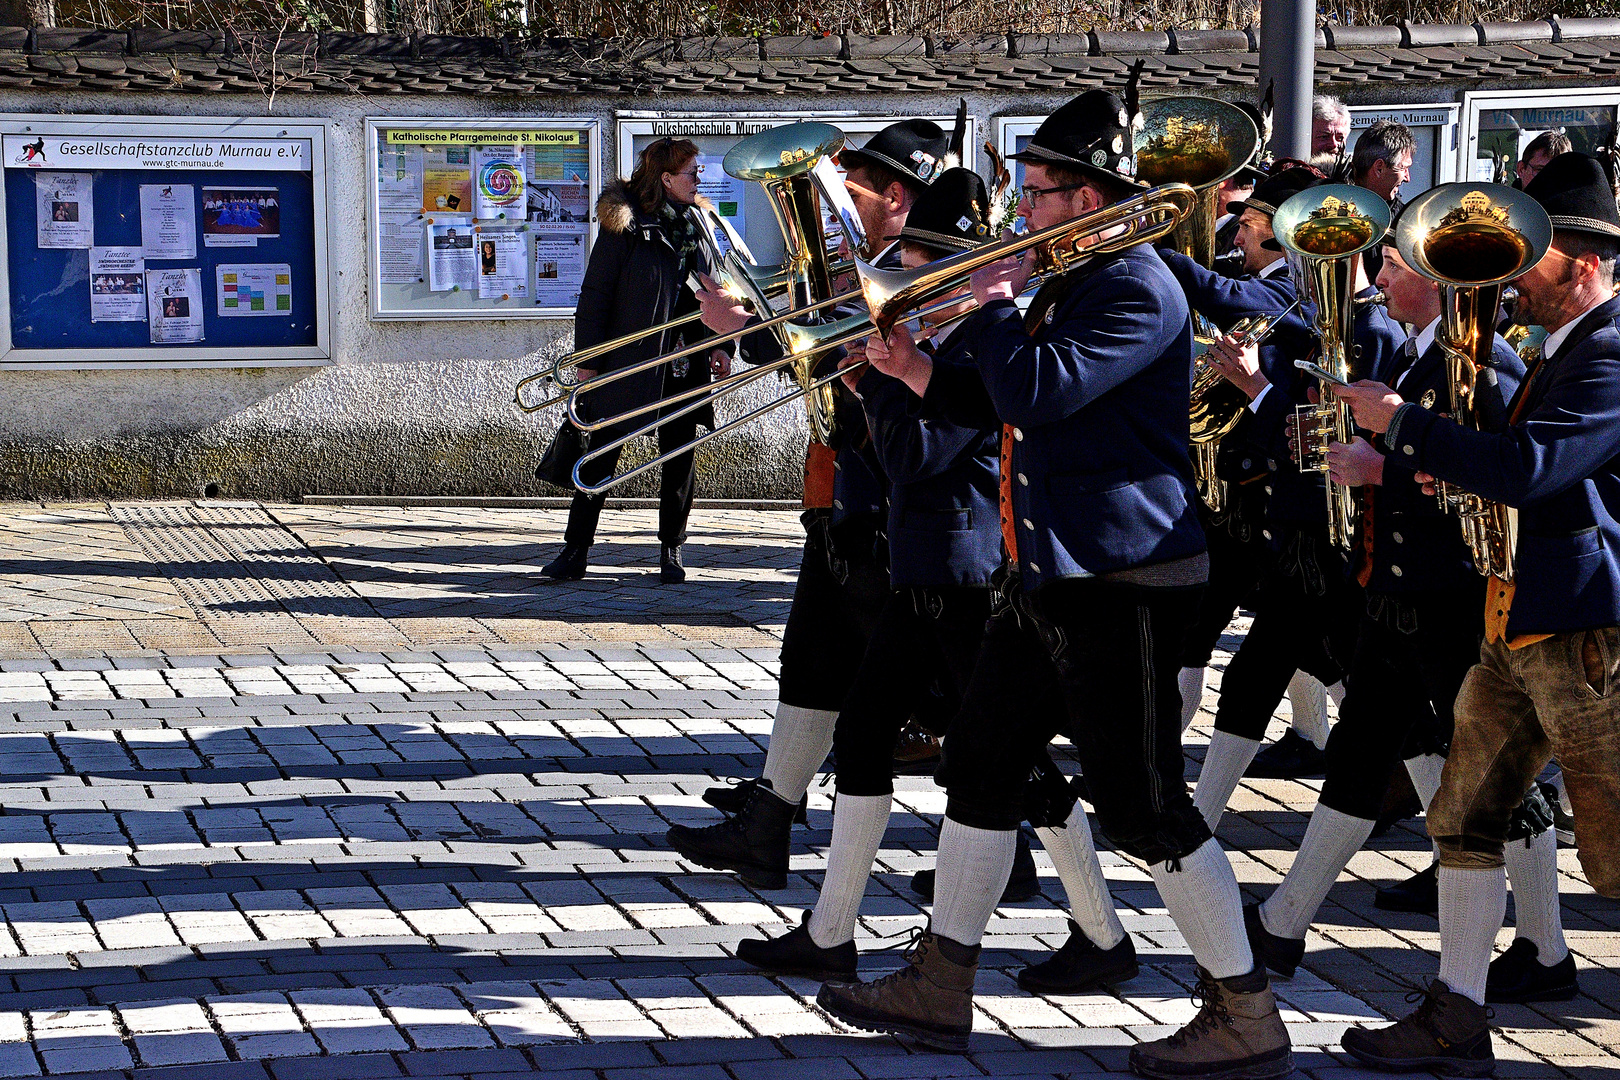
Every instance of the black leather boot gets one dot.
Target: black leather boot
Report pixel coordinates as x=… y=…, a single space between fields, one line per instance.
x=569 y=565
x=731 y=798
x=1419 y=894
x=670 y=570
x=796 y=953
x=754 y=842
x=1080 y=966
x=1022 y=884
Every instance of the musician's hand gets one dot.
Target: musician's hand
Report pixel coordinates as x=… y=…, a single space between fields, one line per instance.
x=850 y=373
x=899 y=358
x=1425 y=481
x=1003 y=280
x=721 y=312
x=1240 y=364
x=719 y=363
x=1372 y=403
x=1313 y=395
x=581 y=374
x=1355 y=463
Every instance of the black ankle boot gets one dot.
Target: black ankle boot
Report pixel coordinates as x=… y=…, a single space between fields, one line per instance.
x=670 y=570
x=1419 y=894
x=1022 y=884
x=1080 y=966
x=1280 y=954
x=569 y=565
x=754 y=842
x=732 y=797
x=796 y=953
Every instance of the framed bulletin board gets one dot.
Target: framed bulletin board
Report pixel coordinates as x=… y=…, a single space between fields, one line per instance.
x=479 y=219
x=743 y=202
x=1501 y=123
x=163 y=242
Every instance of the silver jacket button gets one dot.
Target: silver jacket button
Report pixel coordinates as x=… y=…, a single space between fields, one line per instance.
x=1395 y=570
x=1028 y=524
x=1018 y=433
x=1022 y=479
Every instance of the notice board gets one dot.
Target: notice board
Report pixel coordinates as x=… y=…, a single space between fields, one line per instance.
x=163 y=241
x=479 y=219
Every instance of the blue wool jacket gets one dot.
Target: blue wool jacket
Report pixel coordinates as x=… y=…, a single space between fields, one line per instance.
x=1097 y=396
x=1559 y=466
x=1417 y=547
x=944 y=524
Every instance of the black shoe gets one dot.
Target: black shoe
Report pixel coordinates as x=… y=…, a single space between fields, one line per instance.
x=1080 y=966
x=1280 y=954
x=1292 y=757
x=1518 y=976
x=754 y=842
x=670 y=570
x=731 y=798
x=795 y=953
x=569 y=565
x=1022 y=884
x=1447 y=1034
x=1419 y=894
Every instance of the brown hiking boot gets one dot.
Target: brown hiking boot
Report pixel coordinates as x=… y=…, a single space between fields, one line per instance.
x=1237 y=1033
x=1447 y=1034
x=930 y=999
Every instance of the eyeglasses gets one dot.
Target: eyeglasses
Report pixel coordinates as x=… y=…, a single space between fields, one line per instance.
x=694 y=172
x=1032 y=194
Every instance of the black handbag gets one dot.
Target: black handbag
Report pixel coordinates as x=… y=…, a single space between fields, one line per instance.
x=567 y=447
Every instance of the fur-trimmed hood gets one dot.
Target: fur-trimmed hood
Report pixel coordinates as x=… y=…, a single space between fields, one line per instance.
x=617 y=211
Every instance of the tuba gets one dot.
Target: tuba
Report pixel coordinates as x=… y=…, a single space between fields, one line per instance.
x=1473 y=239
x=1200 y=142
x=1322 y=230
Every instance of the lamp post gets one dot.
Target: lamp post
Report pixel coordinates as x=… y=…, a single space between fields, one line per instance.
x=1288 y=56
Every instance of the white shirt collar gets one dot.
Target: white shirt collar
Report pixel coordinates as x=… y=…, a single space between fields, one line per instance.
x=1272 y=269
x=1556 y=339
x=1220 y=222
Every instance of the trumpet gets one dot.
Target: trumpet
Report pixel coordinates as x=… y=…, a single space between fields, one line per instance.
x=1211 y=420
x=1473 y=239
x=1322 y=230
x=892 y=294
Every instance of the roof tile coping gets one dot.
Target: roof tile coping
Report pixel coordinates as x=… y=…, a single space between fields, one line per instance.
x=1584 y=28
x=1499 y=33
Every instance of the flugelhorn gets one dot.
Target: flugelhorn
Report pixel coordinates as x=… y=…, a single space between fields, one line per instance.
x=1322 y=230
x=1473 y=239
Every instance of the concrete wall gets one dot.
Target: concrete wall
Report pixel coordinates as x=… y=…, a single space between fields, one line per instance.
x=405 y=408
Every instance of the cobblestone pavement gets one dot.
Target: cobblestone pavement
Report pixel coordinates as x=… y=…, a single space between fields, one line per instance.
x=299 y=792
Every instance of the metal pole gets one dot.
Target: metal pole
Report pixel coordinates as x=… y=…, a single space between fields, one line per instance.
x=1288 y=55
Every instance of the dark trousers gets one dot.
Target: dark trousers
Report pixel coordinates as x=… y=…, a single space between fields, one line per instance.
x=924 y=639
x=1411 y=656
x=841 y=590
x=1237 y=557
x=1111 y=653
x=1305 y=619
x=677 y=481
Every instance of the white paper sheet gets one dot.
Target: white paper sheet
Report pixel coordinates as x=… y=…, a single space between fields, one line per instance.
x=503 y=263
x=65 y=210
x=559 y=265
x=725 y=191
x=399 y=179
x=117 y=285
x=253 y=289
x=169 y=221
x=174 y=305
x=401 y=247
x=451 y=262
x=498 y=183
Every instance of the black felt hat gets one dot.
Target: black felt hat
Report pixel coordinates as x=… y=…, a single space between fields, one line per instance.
x=1275 y=189
x=1255 y=170
x=954 y=214
x=1091 y=135
x=919 y=149
x=1574 y=190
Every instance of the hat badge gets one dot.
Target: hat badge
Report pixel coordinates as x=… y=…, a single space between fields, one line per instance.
x=964 y=223
x=1098 y=157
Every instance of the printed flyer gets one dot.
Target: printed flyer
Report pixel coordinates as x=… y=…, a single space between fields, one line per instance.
x=254 y=289
x=451 y=265
x=503 y=265
x=169 y=221
x=66 y=212
x=117 y=284
x=447 y=180
x=498 y=182
x=174 y=305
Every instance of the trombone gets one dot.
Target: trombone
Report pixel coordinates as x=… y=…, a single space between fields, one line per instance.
x=891 y=294
x=1322 y=230
x=1473 y=239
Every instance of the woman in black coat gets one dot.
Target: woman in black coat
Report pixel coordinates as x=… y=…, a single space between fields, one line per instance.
x=646 y=246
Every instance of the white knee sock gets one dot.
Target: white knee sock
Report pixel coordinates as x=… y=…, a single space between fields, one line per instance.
x=1192 y=694
x=1307 y=704
x=1425 y=772
x=1472 y=904
x=859 y=822
x=1224 y=764
x=973 y=868
x=1533 y=873
x=1074 y=854
x=800 y=741
x=1331 y=839
x=1203 y=899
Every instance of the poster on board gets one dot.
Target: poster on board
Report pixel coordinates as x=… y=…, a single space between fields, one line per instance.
x=401 y=240
x=240 y=217
x=253 y=289
x=174 y=305
x=169 y=221
x=117 y=284
x=498 y=183
x=451 y=265
x=447 y=180
x=503 y=263
x=399 y=179
x=65 y=209
x=559 y=266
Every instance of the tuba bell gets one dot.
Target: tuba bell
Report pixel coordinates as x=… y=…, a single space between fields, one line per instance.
x=1322 y=230
x=1473 y=239
x=1201 y=142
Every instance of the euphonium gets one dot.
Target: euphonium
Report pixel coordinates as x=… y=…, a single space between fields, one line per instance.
x=1200 y=142
x=1322 y=230
x=1473 y=239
